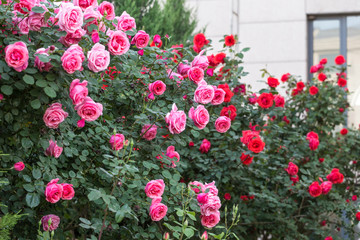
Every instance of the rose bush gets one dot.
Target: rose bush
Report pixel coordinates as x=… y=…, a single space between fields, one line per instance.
x=110 y=138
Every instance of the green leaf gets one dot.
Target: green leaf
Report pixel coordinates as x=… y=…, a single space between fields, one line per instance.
x=7 y=90
x=166 y=174
x=32 y=200
x=35 y=104
x=50 y=92
x=94 y=195
x=85 y=221
x=195 y=133
x=29 y=187
x=43 y=58
x=26 y=143
x=38 y=9
x=119 y=216
x=189 y=232
x=28 y=79
x=36 y=173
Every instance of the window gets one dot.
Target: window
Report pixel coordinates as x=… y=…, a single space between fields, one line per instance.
x=331 y=36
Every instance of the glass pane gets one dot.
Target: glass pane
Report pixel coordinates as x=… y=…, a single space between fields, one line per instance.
x=326 y=40
x=353 y=59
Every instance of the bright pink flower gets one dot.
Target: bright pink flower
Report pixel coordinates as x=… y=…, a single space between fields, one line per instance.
x=89 y=110
x=149 y=131
x=141 y=52
x=157 y=210
x=70 y=17
x=72 y=38
x=279 y=101
x=219 y=96
x=200 y=187
x=119 y=43
x=98 y=58
x=42 y=66
x=315 y=189
x=200 y=116
x=183 y=69
x=176 y=120
x=158 y=87
x=84 y=4
x=211 y=220
x=222 y=124
x=125 y=22
x=53 y=149
x=17 y=56
x=200 y=61
x=53 y=191
x=205 y=146
x=54 y=115
x=19 y=166
x=204 y=93
x=81 y=123
x=196 y=74
x=326 y=187
x=171 y=153
x=95 y=37
x=213 y=204
x=141 y=39
x=78 y=91
x=202 y=198
x=24 y=4
x=108 y=9
x=212 y=188
x=204 y=236
x=117 y=141
x=155 y=188
x=68 y=191
x=72 y=59
x=340 y=60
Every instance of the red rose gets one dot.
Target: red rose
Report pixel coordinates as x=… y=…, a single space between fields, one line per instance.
x=328 y=238
x=292 y=169
x=220 y=57
x=212 y=60
x=227 y=196
x=285 y=77
x=200 y=40
x=246 y=159
x=323 y=223
x=295 y=92
x=300 y=86
x=354 y=198
x=229 y=112
x=230 y=40
x=273 y=82
x=256 y=145
x=279 y=101
x=313 y=69
x=285 y=119
x=191 y=144
x=342 y=82
x=335 y=176
x=205 y=146
x=315 y=189
x=343 y=131
x=313 y=90
x=294 y=179
x=228 y=93
x=323 y=61
x=322 y=77
x=358 y=216
x=340 y=60
x=321 y=160
x=265 y=100
x=341 y=110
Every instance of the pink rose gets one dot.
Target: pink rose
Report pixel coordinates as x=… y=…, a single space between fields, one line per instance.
x=125 y=22
x=68 y=191
x=98 y=58
x=211 y=220
x=27 y=4
x=95 y=37
x=158 y=87
x=204 y=93
x=279 y=101
x=24 y=26
x=117 y=141
x=213 y=204
x=200 y=116
x=202 y=198
x=93 y=17
x=199 y=185
x=53 y=191
x=42 y=66
x=17 y=56
x=54 y=115
x=81 y=123
x=171 y=153
x=219 y=96
x=72 y=59
x=253 y=98
x=155 y=188
x=84 y=4
x=176 y=120
x=212 y=188
x=70 y=17
x=200 y=61
x=108 y=9
x=158 y=211
x=149 y=131
x=36 y=21
x=89 y=110
x=196 y=74
x=53 y=149
x=183 y=69
x=141 y=39
x=118 y=43
x=78 y=91
x=326 y=187
x=204 y=236
x=54 y=222
x=222 y=124
x=72 y=38
x=19 y=166
x=205 y=146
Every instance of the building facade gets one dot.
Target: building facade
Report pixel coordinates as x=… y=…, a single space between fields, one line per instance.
x=288 y=36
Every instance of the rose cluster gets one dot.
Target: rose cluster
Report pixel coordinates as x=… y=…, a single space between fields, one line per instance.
x=313 y=139
x=335 y=177
x=154 y=190
x=54 y=191
x=253 y=141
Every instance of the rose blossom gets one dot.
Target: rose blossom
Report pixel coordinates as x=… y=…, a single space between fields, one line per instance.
x=27 y=4
x=81 y=123
x=72 y=59
x=78 y=91
x=211 y=220
x=229 y=112
x=68 y=191
x=202 y=198
x=247 y=135
x=23 y=25
x=228 y=93
x=93 y=17
x=108 y=9
x=155 y=188
x=279 y=101
x=256 y=145
x=53 y=149
x=212 y=205
x=326 y=187
x=158 y=87
x=313 y=143
x=89 y=110
x=246 y=159
x=119 y=43
x=141 y=39
x=171 y=153
x=117 y=141
x=84 y=4
x=98 y=58
x=176 y=120
x=157 y=210
x=17 y=56
x=70 y=17
x=219 y=96
x=204 y=236
x=19 y=166
x=183 y=69
x=125 y=22
x=200 y=61
x=200 y=116
x=212 y=188
x=72 y=38
x=335 y=176
x=42 y=66
x=315 y=189
x=36 y=21
x=222 y=124
x=273 y=82
x=204 y=93
x=205 y=146
x=54 y=222
x=339 y=60
x=265 y=100
x=196 y=74
x=199 y=185
x=149 y=131
x=54 y=115
x=53 y=191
